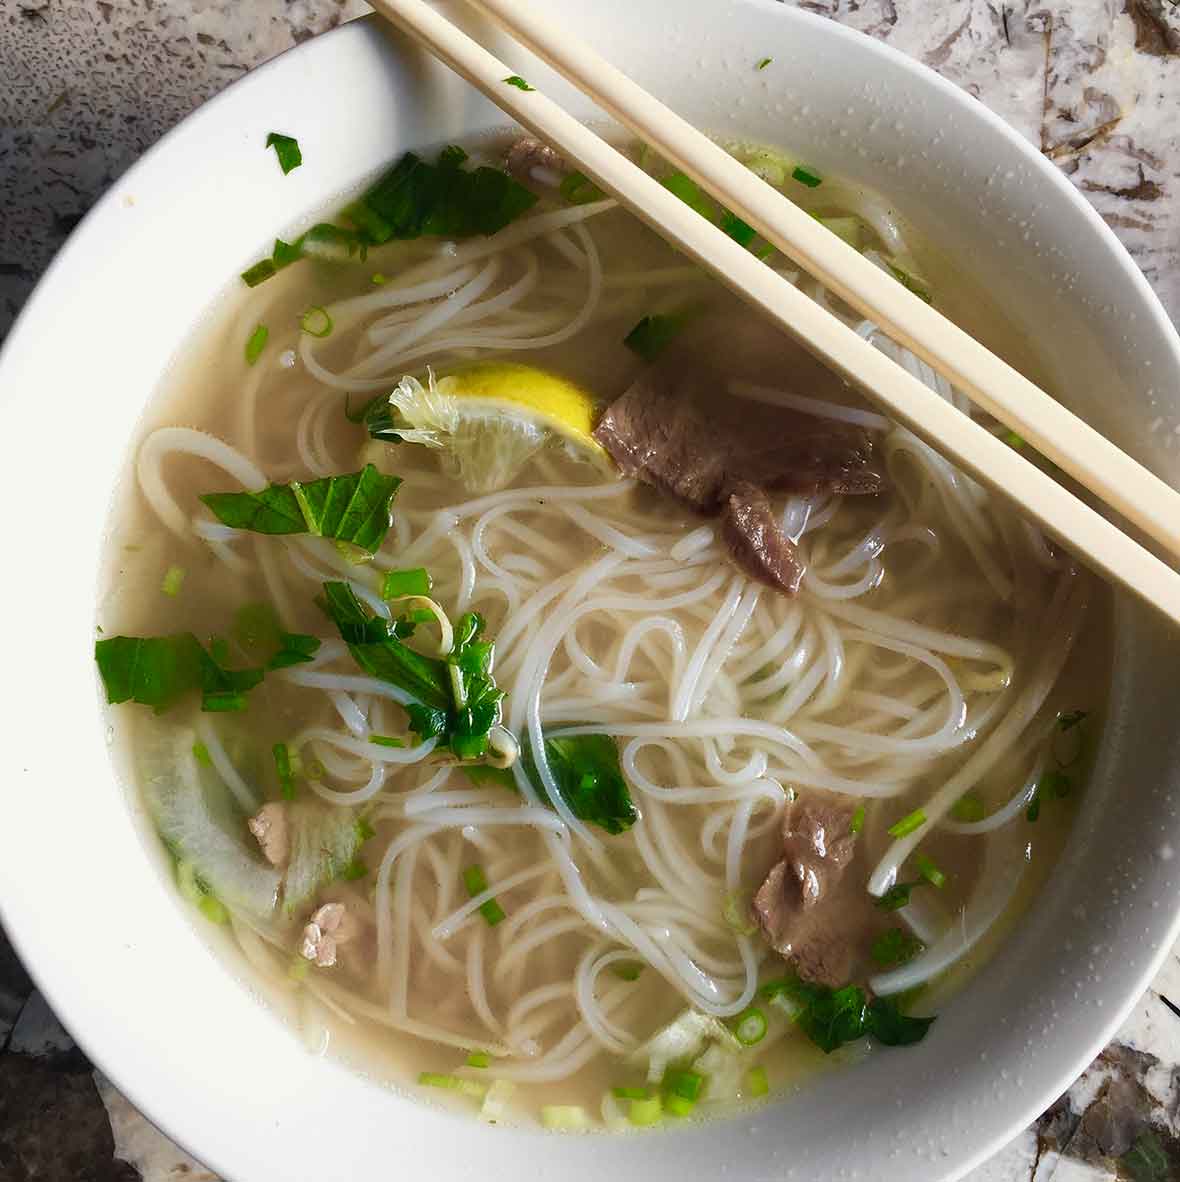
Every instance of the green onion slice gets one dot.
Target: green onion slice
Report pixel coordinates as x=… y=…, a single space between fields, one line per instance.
x=256 y=343
x=316 y=322
x=908 y=824
x=750 y=1027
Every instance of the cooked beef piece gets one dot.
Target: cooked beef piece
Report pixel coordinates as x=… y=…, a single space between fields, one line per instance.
x=678 y=428
x=808 y=911
x=527 y=153
x=756 y=541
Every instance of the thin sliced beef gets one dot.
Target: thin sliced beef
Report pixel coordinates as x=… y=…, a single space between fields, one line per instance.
x=807 y=909
x=755 y=540
x=677 y=428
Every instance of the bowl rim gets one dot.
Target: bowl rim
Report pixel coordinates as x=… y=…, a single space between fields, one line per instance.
x=19 y=919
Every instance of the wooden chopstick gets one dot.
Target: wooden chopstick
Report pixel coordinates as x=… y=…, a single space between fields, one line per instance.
x=1145 y=500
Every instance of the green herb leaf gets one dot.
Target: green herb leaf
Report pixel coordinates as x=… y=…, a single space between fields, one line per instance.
x=415 y=198
x=294 y=649
x=586 y=770
x=578 y=189
x=910 y=283
x=741 y=232
x=895 y=947
x=517 y=81
x=353 y=508
x=476 y=882
x=653 y=334
x=286 y=149
x=929 y=871
x=897 y=896
x=282 y=758
x=157 y=671
x=805 y=176
x=173 y=581
x=258 y=273
x=833 y=1017
x=456 y=699
x=256 y=343
x=763 y=63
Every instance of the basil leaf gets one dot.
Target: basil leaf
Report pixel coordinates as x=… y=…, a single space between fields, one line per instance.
x=157 y=671
x=586 y=770
x=353 y=508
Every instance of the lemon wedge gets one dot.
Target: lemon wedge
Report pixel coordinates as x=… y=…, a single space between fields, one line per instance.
x=490 y=418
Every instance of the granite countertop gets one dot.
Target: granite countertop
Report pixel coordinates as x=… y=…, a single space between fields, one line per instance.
x=87 y=85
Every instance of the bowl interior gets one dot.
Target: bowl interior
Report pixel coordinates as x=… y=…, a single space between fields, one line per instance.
x=165 y=1019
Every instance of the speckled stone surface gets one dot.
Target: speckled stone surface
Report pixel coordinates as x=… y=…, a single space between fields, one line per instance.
x=87 y=85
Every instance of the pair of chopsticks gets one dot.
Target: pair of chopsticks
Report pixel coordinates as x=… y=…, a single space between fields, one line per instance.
x=1145 y=501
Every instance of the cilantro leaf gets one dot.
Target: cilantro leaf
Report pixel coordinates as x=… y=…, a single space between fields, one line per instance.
x=517 y=81
x=353 y=508
x=586 y=770
x=286 y=149
x=832 y=1017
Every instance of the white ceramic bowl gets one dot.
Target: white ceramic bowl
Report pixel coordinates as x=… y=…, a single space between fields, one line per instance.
x=82 y=895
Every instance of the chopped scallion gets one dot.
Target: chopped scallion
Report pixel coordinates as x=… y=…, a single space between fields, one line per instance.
x=564 y=1118
x=386 y=741
x=644 y=1112
x=213 y=910
x=479 y=1059
x=756 y=1082
x=629 y=1093
x=399 y=583
x=908 y=824
x=517 y=81
x=806 y=177
x=763 y=63
x=282 y=758
x=227 y=702
x=173 y=580
x=256 y=343
x=687 y=1084
x=258 y=273
x=201 y=754
x=858 y=821
x=750 y=1027
x=476 y=883
x=1013 y=440
x=454 y=1083
x=910 y=283
x=379 y=280
x=679 y=1105
x=316 y=322
x=354 y=871
x=929 y=871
